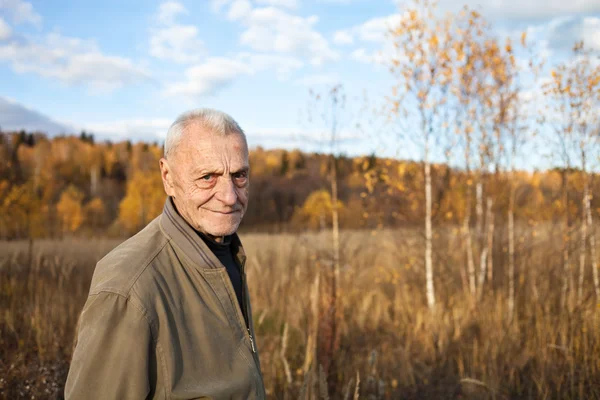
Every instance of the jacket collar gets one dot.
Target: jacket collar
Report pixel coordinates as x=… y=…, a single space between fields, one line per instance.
x=186 y=238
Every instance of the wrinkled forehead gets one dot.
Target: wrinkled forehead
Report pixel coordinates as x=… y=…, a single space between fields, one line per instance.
x=200 y=144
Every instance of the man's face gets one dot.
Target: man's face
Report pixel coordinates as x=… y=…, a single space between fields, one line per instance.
x=207 y=176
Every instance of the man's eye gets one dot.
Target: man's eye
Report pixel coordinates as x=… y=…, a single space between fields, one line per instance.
x=241 y=175
x=206 y=177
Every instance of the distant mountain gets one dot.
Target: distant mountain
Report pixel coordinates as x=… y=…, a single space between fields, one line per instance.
x=15 y=116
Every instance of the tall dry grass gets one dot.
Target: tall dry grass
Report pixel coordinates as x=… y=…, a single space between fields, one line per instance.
x=391 y=345
x=43 y=286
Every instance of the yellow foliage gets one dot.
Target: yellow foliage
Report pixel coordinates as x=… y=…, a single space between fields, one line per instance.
x=143 y=201
x=69 y=209
x=433 y=41
x=317 y=209
x=95 y=212
x=22 y=212
x=401 y=169
x=272 y=161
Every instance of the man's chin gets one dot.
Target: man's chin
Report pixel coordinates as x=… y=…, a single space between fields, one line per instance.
x=222 y=231
x=218 y=224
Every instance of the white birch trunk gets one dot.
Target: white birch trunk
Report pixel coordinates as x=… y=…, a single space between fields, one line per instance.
x=466 y=228
x=479 y=208
x=565 y=243
x=511 y=253
x=482 y=264
x=583 y=235
x=592 y=235
x=490 y=241
x=469 y=251
x=486 y=253
x=428 y=232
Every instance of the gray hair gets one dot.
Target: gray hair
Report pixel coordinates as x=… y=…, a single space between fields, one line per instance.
x=214 y=121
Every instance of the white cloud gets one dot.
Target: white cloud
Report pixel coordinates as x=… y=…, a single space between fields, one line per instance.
x=292 y=4
x=207 y=78
x=372 y=30
x=71 y=61
x=239 y=9
x=172 y=41
x=319 y=80
x=558 y=35
x=343 y=37
x=280 y=42
x=283 y=65
x=591 y=32
x=526 y=9
x=274 y=30
x=21 y=11
x=15 y=116
x=5 y=31
x=520 y=9
x=65 y=59
x=167 y=12
x=361 y=55
x=372 y=57
x=136 y=129
x=313 y=138
x=218 y=5
x=336 y=1
x=216 y=73
x=178 y=43
x=375 y=29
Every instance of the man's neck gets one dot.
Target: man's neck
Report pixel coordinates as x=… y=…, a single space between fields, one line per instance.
x=218 y=239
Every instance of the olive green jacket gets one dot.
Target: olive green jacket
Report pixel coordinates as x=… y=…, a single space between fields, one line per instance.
x=162 y=321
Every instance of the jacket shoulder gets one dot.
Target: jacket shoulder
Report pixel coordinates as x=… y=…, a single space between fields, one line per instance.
x=118 y=270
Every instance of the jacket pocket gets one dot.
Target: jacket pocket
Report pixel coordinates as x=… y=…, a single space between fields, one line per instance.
x=243 y=348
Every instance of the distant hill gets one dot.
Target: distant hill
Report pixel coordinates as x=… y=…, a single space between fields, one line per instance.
x=14 y=116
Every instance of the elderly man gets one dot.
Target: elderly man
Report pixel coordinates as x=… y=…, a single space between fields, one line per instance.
x=168 y=313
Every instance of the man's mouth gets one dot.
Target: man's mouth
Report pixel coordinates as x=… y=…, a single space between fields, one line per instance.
x=225 y=212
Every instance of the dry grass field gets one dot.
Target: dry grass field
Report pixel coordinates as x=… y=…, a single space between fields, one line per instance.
x=389 y=340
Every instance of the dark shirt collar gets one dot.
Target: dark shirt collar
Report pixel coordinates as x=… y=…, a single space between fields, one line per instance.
x=188 y=240
x=212 y=243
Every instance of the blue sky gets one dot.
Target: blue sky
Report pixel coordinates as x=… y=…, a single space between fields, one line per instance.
x=126 y=69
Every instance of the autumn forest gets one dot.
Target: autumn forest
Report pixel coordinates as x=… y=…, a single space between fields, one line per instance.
x=71 y=186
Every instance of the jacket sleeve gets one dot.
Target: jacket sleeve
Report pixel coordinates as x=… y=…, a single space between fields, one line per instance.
x=112 y=355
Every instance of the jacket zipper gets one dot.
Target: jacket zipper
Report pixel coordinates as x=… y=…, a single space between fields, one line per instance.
x=245 y=314
x=251 y=341
x=245 y=307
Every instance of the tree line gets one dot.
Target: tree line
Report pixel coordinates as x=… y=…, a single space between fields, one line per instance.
x=70 y=185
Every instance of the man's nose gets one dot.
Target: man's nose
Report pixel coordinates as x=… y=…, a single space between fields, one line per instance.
x=226 y=193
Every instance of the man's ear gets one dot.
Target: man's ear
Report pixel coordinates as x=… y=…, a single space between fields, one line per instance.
x=167 y=176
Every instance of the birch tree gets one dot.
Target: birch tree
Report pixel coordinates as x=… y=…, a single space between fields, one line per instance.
x=470 y=76
x=511 y=124
x=422 y=67
x=574 y=94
